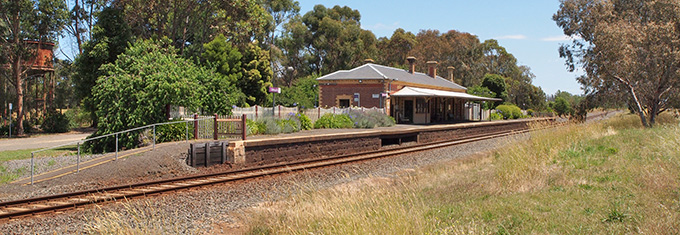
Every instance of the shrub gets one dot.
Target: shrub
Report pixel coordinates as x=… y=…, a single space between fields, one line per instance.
x=291 y=124
x=255 y=127
x=495 y=116
x=531 y=112
x=271 y=126
x=335 y=121
x=370 y=119
x=28 y=128
x=509 y=111
x=79 y=117
x=305 y=122
x=56 y=122
x=173 y=132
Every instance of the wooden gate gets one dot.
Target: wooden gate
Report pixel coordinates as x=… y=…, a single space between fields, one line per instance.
x=230 y=127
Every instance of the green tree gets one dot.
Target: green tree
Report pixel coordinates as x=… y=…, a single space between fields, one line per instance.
x=257 y=75
x=328 y=39
x=496 y=84
x=137 y=87
x=562 y=107
x=22 y=20
x=628 y=46
x=110 y=38
x=191 y=23
x=395 y=49
x=303 y=93
x=483 y=92
x=249 y=71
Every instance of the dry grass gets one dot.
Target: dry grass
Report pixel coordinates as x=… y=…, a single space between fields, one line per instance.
x=135 y=218
x=610 y=177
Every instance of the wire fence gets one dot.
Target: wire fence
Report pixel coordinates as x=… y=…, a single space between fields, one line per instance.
x=147 y=136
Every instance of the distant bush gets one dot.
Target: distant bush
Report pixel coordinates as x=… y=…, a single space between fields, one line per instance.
x=78 y=117
x=56 y=122
x=334 y=121
x=370 y=119
x=4 y=129
x=531 y=112
x=509 y=111
x=495 y=116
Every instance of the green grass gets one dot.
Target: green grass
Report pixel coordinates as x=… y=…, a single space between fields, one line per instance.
x=604 y=178
x=26 y=153
x=7 y=175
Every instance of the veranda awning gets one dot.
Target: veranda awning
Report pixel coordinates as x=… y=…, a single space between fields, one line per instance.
x=424 y=92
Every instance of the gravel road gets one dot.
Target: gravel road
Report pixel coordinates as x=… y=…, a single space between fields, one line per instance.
x=213 y=210
x=41 y=141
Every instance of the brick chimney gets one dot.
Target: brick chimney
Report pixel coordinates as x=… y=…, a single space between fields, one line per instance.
x=432 y=68
x=412 y=64
x=451 y=69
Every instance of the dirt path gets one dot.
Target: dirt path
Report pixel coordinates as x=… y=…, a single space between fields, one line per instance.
x=42 y=141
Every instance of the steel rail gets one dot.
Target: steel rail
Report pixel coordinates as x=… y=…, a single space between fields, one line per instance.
x=46 y=204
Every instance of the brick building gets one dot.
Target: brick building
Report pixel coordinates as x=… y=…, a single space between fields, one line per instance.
x=407 y=95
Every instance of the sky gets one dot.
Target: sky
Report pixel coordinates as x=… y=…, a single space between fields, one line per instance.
x=524 y=27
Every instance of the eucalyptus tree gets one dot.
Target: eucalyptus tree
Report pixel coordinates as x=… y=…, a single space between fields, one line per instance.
x=628 y=46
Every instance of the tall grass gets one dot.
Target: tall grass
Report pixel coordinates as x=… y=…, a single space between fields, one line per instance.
x=141 y=218
x=609 y=177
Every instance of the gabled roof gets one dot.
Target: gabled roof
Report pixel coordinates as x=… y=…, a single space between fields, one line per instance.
x=373 y=71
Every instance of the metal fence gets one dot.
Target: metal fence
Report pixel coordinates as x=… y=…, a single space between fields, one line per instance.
x=198 y=124
x=315 y=114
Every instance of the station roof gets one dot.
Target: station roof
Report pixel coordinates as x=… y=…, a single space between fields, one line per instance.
x=373 y=71
x=423 y=92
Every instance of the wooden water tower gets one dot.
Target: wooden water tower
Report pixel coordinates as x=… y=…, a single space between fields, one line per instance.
x=39 y=79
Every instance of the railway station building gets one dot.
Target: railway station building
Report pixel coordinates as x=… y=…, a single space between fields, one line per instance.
x=406 y=95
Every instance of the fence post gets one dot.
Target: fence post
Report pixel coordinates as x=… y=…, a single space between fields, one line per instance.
x=187 y=131
x=154 y=137
x=279 y=111
x=78 y=161
x=318 y=114
x=32 y=167
x=195 y=126
x=256 y=109
x=116 y=146
x=243 y=127
x=215 y=128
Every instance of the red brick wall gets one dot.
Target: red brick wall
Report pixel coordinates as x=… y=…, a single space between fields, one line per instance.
x=328 y=94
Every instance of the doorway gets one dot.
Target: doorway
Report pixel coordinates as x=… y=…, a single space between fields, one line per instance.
x=344 y=103
x=408 y=111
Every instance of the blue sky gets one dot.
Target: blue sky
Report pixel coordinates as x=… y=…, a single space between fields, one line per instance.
x=524 y=27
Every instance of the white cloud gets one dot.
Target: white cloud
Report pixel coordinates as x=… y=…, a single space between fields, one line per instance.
x=514 y=37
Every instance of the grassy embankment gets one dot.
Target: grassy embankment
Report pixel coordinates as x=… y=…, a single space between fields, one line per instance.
x=610 y=177
x=10 y=175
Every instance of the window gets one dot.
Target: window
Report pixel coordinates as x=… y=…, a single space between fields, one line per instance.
x=344 y=103
x=421 y=106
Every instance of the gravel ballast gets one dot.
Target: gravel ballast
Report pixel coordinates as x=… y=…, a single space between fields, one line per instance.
x=215 y=209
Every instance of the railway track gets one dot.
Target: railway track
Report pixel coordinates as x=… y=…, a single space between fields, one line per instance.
x=62 y=202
